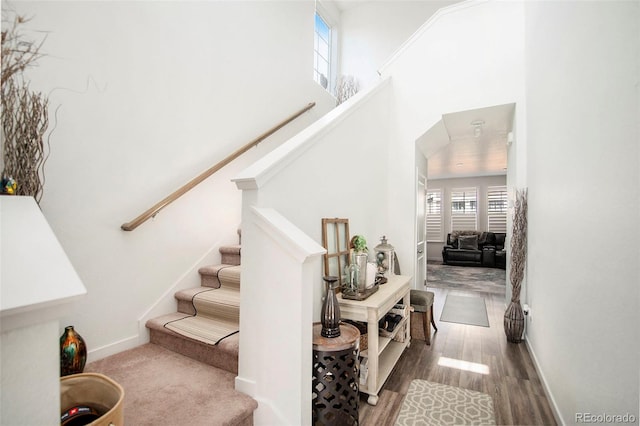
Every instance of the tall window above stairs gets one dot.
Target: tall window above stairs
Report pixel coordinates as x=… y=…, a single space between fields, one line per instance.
x=322 y=52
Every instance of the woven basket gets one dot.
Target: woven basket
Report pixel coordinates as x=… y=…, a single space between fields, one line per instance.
x=97 y=391
x=364 y=342
x=364 y=337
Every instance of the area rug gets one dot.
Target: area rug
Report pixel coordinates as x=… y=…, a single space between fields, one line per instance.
x=470 y=310
x=467 y=278
x=429 y=403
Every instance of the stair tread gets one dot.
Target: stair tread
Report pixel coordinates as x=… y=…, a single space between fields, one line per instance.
x=220 y=275
x=232 y=249
x=215 y=270
x=200 y=329
x=199 y=292
x=189 y=293
x=204 y=329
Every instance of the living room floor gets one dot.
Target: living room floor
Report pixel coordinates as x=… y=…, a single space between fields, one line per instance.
x=512 y=382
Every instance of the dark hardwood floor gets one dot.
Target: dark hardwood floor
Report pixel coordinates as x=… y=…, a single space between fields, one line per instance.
x=512 y=381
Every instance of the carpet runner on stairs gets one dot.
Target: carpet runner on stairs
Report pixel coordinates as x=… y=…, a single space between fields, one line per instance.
x=207 y=323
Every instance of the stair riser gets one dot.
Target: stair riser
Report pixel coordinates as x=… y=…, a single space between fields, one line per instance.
x=208 y=354
x=217 y=281
x=230 y=259
x=209 y=281
x=186 y=307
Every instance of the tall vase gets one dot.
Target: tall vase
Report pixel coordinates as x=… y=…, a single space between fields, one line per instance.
x=73 y=352
x=514 y=322
x=361 y=264
x=330 y=316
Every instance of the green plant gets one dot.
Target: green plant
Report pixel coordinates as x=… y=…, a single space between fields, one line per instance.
x=358 y=243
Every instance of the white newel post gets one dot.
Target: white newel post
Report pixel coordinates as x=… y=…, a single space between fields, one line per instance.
x=280 y=268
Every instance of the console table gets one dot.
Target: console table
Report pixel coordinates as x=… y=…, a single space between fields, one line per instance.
x=383 y=352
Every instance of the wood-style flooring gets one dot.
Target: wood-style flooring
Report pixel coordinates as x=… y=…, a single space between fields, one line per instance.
x=512 y=381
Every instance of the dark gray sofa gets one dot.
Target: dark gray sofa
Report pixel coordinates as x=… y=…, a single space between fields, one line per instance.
x=475 y=248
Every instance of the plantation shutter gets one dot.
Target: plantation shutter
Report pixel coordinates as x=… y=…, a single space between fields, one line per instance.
x=464 y=209
x=434 y=215
x=497 y=209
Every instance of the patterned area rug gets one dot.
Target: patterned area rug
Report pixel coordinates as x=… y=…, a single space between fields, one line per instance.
x=490 y=280
x=429 y=403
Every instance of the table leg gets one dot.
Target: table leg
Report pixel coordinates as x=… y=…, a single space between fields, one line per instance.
x=372 y=379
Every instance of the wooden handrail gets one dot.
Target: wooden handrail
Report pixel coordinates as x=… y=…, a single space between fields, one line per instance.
x=130 y=226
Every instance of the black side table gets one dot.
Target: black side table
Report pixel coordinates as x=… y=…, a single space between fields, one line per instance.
x=489 y=257
x=336 y=370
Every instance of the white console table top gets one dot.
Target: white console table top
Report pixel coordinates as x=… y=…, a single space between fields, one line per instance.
x=35 y=272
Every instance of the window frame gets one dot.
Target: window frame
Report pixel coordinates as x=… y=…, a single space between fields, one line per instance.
x=497 y=193
x=464 y=217
x=435 y=225
x=324 y=12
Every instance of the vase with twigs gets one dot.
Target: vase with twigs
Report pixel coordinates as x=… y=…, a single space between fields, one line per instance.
x=514 y=315
x=24 y=116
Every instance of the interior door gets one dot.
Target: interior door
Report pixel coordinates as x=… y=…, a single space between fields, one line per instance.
x=421 y=231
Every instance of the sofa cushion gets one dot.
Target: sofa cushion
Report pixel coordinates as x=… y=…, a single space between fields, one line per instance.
x=452 y=238
x=468 y=242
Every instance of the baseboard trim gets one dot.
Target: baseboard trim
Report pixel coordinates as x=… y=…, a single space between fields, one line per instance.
x=545 y=386
x=113 y=348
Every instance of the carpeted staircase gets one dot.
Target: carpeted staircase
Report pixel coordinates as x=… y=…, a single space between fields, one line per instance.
x=168 y=381
x=207 y=322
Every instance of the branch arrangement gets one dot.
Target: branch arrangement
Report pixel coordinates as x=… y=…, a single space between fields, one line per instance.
x=18 y=53
x=518 y=244
x=347 y=87
x=514 y=316
x=25 y=114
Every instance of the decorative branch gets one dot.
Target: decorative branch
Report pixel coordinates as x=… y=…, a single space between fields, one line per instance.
x=18 y=53
x=24 y=115
x=347 y=87
x=518 y=244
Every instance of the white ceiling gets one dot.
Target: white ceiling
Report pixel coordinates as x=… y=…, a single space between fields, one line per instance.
x=348 y=4
x=453 y=149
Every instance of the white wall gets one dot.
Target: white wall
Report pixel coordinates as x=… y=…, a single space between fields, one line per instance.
x=372 y=31
x=583 y=161
x=469 y=57
x=150 y=95
x=434 y=249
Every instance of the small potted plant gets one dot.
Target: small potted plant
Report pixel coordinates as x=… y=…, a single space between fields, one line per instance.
x=359 y=244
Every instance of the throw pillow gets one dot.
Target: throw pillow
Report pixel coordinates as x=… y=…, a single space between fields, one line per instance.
x=468 y=242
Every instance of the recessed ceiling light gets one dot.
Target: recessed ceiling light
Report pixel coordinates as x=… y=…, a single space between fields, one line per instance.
x=459 y=164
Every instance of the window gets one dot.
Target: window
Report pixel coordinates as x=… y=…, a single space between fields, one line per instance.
x=322 y=52
x=497 y=209
x=434 y=215
x=464 y=209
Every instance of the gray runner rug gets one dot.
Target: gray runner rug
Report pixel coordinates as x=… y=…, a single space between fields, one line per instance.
x=429 y=403
x=470 y=310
